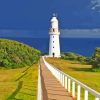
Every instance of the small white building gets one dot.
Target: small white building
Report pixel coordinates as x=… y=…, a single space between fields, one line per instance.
x=54 y=43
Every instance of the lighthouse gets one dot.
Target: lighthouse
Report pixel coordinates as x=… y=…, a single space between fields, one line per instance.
x=54 y=43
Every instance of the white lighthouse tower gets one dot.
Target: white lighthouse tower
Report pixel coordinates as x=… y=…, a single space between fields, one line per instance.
x=54 y=44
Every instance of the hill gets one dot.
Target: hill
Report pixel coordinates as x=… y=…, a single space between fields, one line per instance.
x=14 y=54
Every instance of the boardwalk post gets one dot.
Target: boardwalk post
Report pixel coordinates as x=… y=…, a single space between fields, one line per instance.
x=56 y=72
x=78 y=92
x=97 y=98
x=73 y=89
x=85 y=95
x=66 y=82
x=68 y=85
x=59 y=76
x=63 y=80
x=39 y=92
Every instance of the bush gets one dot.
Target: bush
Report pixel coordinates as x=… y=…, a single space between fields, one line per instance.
x=14 y=54
x=96 y=58
x=73 y=56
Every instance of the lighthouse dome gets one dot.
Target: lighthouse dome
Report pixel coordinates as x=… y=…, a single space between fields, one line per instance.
x=54 y=19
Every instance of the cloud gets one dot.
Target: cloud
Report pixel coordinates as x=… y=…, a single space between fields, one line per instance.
x=95 y=5
x=65 y=33
x=22 y=33
x=80 y=33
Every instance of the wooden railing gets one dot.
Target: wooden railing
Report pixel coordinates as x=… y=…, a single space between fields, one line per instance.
x=39 y=91
x=69 y=83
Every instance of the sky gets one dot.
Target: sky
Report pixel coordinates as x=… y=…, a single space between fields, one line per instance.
x=31 y=17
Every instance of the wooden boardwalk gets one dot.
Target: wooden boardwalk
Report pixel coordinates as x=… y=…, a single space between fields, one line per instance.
x=51 y=87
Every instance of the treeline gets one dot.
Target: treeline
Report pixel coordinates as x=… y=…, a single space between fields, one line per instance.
x=73 y=56
x=14 y=54
x=94 y=60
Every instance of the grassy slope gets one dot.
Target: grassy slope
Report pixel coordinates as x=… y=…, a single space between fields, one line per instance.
x=78 y=71
x=19 y=84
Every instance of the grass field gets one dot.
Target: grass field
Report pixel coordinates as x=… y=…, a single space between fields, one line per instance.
x=19 y=84
x=79 y=71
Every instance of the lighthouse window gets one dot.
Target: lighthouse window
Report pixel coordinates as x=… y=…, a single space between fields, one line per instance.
x=53 y=41
x=53 y=47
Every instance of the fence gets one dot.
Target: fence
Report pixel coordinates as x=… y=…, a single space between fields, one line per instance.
x=69 y=83
x=39 y=92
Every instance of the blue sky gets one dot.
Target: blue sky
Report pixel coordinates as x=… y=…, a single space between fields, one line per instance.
x=31 y=17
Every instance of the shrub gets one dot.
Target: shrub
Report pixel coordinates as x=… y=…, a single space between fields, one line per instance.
x=73 y=56
x=96 y=58
x=14 y=54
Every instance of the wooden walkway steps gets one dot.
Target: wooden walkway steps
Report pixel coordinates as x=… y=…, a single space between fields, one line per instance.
x=51 y=87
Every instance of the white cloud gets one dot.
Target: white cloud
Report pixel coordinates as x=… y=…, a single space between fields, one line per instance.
x=95 y=5
x=65 y=33
x=22 y=33
x=80 y=33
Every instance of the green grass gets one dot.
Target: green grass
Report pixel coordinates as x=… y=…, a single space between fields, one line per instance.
x=79 y=71
x=19 y=84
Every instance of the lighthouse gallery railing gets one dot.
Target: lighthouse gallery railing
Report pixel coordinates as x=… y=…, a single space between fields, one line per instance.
x=69 y=83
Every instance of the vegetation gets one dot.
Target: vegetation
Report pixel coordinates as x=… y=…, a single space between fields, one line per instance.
x=19 y=84
x=93 y=60
x=81 y=72
x=73 y=56
x=96 y=58
x=14 y=54
x=45 y=53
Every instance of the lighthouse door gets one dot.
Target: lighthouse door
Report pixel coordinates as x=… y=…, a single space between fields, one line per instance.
x=53 y=54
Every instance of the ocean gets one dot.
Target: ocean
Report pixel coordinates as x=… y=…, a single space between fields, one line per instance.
x=83 y=46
